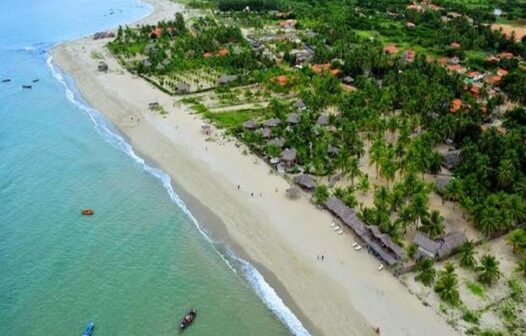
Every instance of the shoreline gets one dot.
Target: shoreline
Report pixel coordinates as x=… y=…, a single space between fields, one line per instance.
x=281 y=238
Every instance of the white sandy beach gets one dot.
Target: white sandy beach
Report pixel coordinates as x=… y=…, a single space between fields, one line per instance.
x=343 y=295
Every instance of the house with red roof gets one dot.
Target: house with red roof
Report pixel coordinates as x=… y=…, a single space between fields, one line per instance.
x=456 y=104
x=502 y=72
x=156 y=33
x=456 y=68
x=390 y=49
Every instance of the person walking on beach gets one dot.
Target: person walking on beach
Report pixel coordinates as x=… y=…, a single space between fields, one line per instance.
x=322 y=257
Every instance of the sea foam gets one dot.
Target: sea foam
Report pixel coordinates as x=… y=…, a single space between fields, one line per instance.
x=264 y=291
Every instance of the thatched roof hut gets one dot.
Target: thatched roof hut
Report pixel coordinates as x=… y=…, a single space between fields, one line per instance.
x=288 y=157
x=182 y=87
x=225 y=79
x=206 y=129
x=293 y=118
x=442 y=182
x=426 y=246
x=348 y=80
x=451 y=159
x=266 y=133
x=280 y=142
x=102 y=66
x=147 y=63
x=441 y=247
x=305 y=181
x=322 y=120
x=250 y=125
x=377 y=243
x=273 y=122
x=292 y=193
x=300 y=104
x=450 y=242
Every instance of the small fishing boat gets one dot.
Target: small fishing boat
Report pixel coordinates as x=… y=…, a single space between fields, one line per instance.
x=89 y=329
x=36 y=80
x=26 y=86
x=188 y=319
x=87 y=212
x=7 y=80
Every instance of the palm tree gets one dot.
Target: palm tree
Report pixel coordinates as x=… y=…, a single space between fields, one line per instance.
x=488 y=270
x=405 y=217
x=447 y=285
x=388 y=169
x=467 y=255
x=521 y=266
x=517 y=209
x=376 y=153
x=506 y=173
x=489 y=222
x=354 y=169
x=426 y=271
x=321 y=194
x=364 y=184
x=517 y=240
x=419 y=206
x=433 y=225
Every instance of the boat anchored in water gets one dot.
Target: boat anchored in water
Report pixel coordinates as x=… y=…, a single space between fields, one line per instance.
x=188 y=319
x=89 y=329
x=87 y=212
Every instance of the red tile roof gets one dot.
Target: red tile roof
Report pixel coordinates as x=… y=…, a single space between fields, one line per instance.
x=390 y=49
x=502 y=72
x=456 y=104
x=156 y=32
x=456 y=67
x=223 y=52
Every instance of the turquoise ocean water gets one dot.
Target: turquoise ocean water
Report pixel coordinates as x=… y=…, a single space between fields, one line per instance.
x=142 y=261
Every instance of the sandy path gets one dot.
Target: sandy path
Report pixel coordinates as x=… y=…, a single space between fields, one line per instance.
x=344 y=295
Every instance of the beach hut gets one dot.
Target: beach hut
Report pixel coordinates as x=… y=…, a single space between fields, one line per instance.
x=273 y=122
x=206 y=129
x=322 y=120
x=266 y=133
x=441 y=183
x=182 y=87
x=226 y=79
x=305 y=181
x=102 y=66
x=450 y=242
x=288 y=157
x=292 y=193
x=293 y=119
x=451 y=159
x=279 y=142
x=426 y=246
x=347 y=80
x=250 y=125
x=300 y=104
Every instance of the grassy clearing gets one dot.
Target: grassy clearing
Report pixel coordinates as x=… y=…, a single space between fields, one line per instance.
x=476 y=289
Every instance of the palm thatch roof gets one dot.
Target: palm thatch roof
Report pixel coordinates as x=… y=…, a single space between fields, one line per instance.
x=305 y=181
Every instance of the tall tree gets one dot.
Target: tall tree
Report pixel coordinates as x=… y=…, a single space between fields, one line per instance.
x=488 y=270
x=426 y=272
x=467 y=255
x=433 y=225
x=447 y=285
